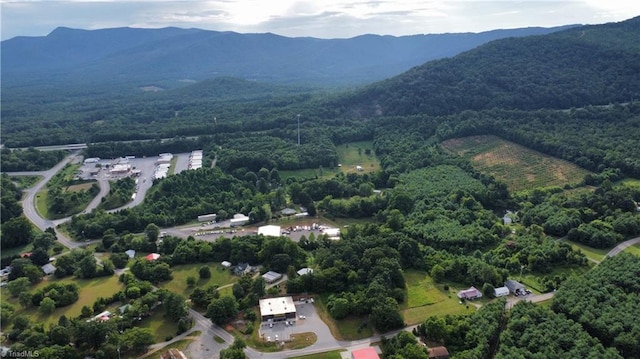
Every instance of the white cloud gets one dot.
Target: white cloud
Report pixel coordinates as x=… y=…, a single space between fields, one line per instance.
x=326 y=18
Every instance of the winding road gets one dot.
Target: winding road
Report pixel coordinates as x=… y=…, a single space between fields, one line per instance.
x=208 y=329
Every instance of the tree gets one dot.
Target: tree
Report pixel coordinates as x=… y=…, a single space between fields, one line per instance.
x=44 y=240
x=6 y=311
x=152 y=231
x=47 y=306
x=16 y=232
x=385 y=316
x=191 y=281
x=235 y=351
x=488 y=290
x=33 y=273
x=87 y=267
x=18 y=286
x=136 y=339
x=204 y=272
x=222 y=310
x=175 y=307
x=39 y=256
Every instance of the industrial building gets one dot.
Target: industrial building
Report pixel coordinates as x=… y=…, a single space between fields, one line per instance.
x=277 y=309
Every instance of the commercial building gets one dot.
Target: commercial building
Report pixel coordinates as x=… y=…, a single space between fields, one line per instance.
x=270 y=230
x=277 y=309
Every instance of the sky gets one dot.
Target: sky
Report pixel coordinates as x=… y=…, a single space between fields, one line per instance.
x=315 y=18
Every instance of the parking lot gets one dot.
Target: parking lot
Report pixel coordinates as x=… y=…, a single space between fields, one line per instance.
x=311 y=323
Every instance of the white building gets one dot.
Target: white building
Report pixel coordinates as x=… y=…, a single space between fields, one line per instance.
x=501 y=292
x=238 y=219
x=277 y=309
x=270 y=230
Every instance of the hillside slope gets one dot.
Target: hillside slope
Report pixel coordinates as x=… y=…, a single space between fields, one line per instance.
x=590 y=65
x=170 y=54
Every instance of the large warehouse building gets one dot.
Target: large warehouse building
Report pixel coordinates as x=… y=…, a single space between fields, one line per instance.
x=277 y=309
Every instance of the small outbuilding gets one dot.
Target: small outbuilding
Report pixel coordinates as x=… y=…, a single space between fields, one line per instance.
x=271 y=277
x=226 y=264
x=515 y=287
x=152 y=256
x=131 y=253
x=438 y=353
x=48 y=269
x=238 y=219
x=305 y=271
x=288 y=211
x=501 y=292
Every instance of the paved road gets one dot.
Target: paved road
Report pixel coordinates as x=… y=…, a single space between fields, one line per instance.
x=622 y=246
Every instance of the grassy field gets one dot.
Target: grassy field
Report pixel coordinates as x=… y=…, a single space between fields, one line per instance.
x=24 y=182
x=517 y=166
x=350 y=155
x=90 y=290
x=181 y=345
x=634 y=249
x=534 y=281
x=335 y=354
x=345 y=329
x=594 y=254
x=161 y=328
x=41 y=203
x=178 y=284
x=426 y=299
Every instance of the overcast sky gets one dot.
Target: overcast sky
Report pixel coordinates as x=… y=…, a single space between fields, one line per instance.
x=316 y=18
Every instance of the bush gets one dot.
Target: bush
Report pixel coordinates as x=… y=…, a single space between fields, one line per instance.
x=204 y=272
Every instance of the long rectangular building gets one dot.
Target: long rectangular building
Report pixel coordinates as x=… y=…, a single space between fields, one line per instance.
x=277 y=309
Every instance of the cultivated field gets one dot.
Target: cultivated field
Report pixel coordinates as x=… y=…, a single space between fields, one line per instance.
x=518 y=167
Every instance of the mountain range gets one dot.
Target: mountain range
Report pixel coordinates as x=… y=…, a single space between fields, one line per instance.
x=166 y=56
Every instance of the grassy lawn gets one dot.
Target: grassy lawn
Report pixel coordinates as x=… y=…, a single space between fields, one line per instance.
x=26 y=181
x=634 y=249
x=17 y=250
x=426 y=299
x=534 y=281
x=334 y=354
x=301 y=340
x=161 y=327
x=345 y=329
x=181 y=345
x=350 y=155
x=41 y=203
x=517 y=166
x=595 y=254
x=90 y=290
x=178 y=284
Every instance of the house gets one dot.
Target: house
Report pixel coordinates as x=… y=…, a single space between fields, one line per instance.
x=241 y=269
x=471 y=293
x=515 y=287
x=152 y=256
x=365 y=353
x=305 y=271
x=277 y=309
x=271 y=277
x=48 y=269
x=501 y=292
x=271 y=231
x=438 y=353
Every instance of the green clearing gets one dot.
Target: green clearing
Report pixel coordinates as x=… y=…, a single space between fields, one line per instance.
x=349 y=328
x=90 y=290
x=594 y=254
x=178 y=284
x=17 y=250
x=634 y=249
x=334 y=354
x=517 y=166
x=161 y=328
x=534 y=281
x=181 y=345
x=41 y=203
x=426 y=299
x=350 y=155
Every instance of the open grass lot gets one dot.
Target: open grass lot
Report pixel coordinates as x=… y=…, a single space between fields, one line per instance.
x=335 y=354
x=161 y=328
x=80 y=187
x=349 y=328
x=594 y=254
x=426 y=299
x=534 y=281
x=634 y=249
x=350 y=155
x=41 y=203
x=24 y=182
x=517 y=166
x=90 y=290
x=181 y=345
x=178 y=284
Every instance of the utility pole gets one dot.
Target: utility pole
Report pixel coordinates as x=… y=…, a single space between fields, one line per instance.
x=298 y=129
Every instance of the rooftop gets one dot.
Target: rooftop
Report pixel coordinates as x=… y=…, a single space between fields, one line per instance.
x=277 y=306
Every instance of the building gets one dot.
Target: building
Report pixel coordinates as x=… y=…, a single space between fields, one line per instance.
x=271 y=277
x=332 y=233
x=131 y=253
x=91 y=160
x=120 y=169
x=238 y=219
x=438 y=353
x=277 y=309
x=270 y=230
x=305 y=271
x=288 y=211
x=152 y=256
x=48 y=269
x=242 y=269
x=516 y=288
x=365 y=353
x=501 y=292
x=469 y=294
x=207 y=217
x=226 y=264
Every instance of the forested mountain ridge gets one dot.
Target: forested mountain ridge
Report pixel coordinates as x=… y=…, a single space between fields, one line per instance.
x=591 y=65
x=170 y=54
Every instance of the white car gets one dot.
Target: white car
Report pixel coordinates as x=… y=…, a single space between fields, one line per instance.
x=302 y=317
